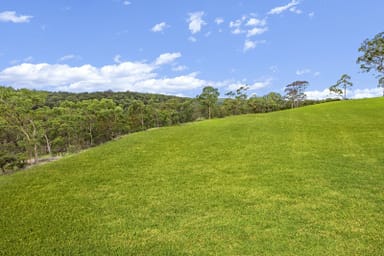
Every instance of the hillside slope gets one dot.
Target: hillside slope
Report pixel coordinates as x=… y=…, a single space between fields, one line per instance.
x=308 y=181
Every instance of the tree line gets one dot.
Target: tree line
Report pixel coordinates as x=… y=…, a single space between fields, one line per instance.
x=38 y=123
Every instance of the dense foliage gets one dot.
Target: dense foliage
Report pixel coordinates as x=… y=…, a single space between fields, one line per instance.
x=40 y=123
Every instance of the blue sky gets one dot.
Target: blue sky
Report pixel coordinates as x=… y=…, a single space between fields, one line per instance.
x=178 y=47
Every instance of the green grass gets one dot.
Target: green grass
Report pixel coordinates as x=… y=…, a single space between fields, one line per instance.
x=308 y=181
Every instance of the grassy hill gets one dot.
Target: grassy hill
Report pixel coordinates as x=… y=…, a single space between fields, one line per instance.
x=308 y=181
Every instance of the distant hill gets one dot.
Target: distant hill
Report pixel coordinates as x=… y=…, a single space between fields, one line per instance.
x=307 y=181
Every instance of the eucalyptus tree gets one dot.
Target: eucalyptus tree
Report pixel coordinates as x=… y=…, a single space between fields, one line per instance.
x=341 y=85
x=208 y=98
x=237 y=102
x=295 y=92
x=18 y=109
x=372 y=57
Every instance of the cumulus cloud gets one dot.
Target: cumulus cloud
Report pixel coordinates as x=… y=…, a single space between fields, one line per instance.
x=196 y=22
x=352 y=94
x=291 y=6
x=159 y=27
x=11 y=16
x=366 y=93
x=319 y=95
x=166 y=58
x=123 y=76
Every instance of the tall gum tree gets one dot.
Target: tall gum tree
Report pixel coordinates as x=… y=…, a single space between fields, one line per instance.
x=372 y=57
x=343 y=82
x=208 y=98
x=295 y=92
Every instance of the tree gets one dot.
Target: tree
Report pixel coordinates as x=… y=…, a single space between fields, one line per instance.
x=18 y=110
x=336 y=90
x=208 y=98
x=136 y=115
x=373 y=54
x=373 y=57
x=381 y=84
x=238 y=105
x=295 y=92
x=343 y=82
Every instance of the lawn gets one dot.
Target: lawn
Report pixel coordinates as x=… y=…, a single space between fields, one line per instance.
x=307 y=181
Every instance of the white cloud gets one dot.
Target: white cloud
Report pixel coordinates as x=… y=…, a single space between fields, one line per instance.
x=11 y=16
x=133 y=76
x=366 y=93
x=159 y=27
x=352 y=94
x=174 y=84
x=251 y=26
x=127 y=3
x=255 y=22
x=236 y=26
x=219 y=21
x=311 y=14
x=117 y=58
x=248 y=44
x=255 y=86
x=256 y=31
x=304 y=71
x=319 y=95
x=196 y=22
x=68 y=57
x=295 y=10
x=291 y=6
x=166 y=58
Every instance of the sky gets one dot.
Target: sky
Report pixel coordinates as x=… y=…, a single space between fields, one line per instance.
x=178 y=47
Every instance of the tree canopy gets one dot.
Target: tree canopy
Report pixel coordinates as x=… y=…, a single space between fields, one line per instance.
x=343 y=82
x=295 y=92
x=372 y=57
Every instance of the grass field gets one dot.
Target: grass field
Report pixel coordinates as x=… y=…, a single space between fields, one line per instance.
x=308 y=181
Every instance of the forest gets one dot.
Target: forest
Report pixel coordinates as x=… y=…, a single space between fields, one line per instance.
x=37 y=125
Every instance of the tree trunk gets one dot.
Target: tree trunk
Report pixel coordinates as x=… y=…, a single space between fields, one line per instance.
x=48 y=144
x=209 y=111
x=35 y=154
x=142 y=120
x=90 y=135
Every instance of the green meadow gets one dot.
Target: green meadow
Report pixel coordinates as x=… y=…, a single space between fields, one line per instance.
x=307 y=181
